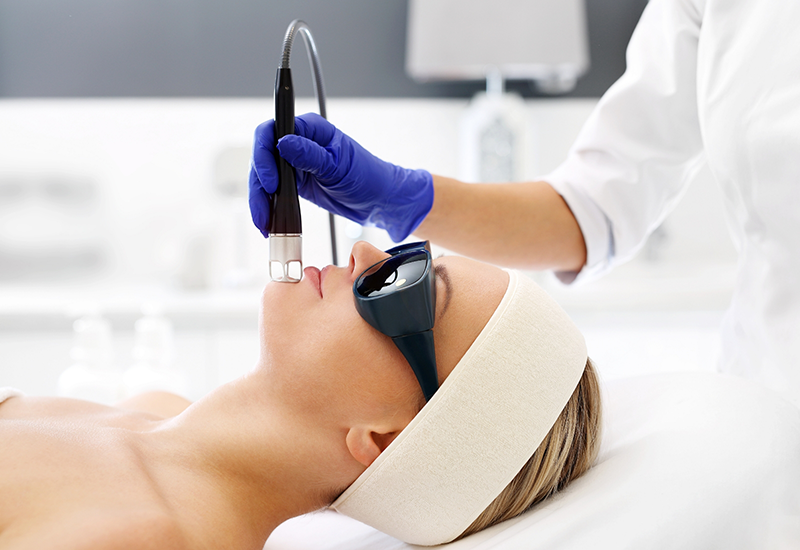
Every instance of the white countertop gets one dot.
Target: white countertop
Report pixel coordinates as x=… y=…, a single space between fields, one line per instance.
x=32 y=307
x=634 y=287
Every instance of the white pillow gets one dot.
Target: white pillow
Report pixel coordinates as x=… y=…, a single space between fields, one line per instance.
x=688 y=461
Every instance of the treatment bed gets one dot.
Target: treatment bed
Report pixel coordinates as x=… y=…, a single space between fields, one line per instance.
x=688 y=461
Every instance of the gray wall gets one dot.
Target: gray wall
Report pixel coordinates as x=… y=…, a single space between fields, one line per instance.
x=216 y=48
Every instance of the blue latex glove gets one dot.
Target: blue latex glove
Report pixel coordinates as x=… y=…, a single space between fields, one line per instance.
x=336 y=173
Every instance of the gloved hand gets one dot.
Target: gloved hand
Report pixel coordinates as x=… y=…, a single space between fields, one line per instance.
x=336 y=173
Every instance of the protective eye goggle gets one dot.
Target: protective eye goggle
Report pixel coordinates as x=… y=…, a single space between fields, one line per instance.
x=397 y=296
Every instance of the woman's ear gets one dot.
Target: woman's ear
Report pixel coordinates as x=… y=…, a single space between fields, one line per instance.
x=365 y=444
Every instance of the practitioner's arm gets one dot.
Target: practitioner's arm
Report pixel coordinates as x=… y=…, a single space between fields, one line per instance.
x=524 y=225
x=521 y=225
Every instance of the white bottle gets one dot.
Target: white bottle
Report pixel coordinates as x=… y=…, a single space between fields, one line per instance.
x=153 y=351
x=495 y=137
x=92 y=375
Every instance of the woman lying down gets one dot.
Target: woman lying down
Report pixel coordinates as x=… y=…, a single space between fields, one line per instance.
x=499 y=410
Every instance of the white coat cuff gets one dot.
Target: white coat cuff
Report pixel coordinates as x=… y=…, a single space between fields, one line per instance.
x=594 y=225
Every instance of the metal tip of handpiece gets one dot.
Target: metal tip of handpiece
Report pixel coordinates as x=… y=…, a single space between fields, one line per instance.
x=290 y=271
x=286 y=258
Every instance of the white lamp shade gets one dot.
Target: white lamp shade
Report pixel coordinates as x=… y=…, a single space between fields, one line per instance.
x=523 y=39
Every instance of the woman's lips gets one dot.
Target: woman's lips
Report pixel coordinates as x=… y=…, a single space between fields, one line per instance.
x=322 y=275
x=314 y=276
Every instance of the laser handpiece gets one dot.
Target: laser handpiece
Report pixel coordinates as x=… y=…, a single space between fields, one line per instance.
x=285 y=227
x=285 y=223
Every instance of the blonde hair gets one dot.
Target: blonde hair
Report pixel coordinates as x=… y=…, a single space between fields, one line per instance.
x=568 y=450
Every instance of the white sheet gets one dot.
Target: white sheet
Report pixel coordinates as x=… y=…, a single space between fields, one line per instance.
x=7 y=392
x=689 y=461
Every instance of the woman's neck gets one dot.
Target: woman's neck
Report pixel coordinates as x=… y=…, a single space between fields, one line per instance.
x=236 y=464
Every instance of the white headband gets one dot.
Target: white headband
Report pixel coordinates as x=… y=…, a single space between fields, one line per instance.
x=480 y=428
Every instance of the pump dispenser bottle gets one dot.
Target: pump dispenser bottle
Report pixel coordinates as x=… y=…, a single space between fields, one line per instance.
x=153 y=351
x=91 y=375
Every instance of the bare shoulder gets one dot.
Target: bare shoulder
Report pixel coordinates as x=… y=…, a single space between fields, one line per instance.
x=150 y=405
x=101 y=530
x=43 y=407
x=159 y=403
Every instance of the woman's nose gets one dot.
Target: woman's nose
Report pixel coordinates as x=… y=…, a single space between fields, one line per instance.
x=363 y=256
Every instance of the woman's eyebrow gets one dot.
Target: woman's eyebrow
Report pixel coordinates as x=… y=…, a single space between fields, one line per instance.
x=441 y=274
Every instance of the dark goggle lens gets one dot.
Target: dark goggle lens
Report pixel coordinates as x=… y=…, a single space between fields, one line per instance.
x=392 y=274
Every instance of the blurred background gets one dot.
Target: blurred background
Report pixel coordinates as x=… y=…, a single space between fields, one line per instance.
x=127 y=255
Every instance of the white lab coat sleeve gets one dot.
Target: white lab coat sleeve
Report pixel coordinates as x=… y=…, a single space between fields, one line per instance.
x=642 y=144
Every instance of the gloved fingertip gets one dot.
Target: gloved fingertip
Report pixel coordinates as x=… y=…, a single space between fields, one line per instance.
x=259 y=208
x=263 y=176
x=307 y=155
x=269 y=181
x=288 y=141
x=315 y=127
x=291 y=147
x=265 y=132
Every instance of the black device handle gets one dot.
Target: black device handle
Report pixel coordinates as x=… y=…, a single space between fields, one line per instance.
x=284 y=216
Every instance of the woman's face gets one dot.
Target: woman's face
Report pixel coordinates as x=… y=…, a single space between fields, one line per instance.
x=322 y=352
